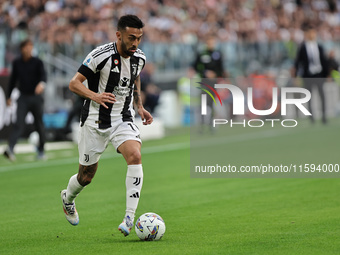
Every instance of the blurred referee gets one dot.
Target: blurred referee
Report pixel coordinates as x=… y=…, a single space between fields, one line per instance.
x=29 y=74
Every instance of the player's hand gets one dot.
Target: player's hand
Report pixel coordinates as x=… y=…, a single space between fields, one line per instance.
x=8 y=102
x=103 y=98
x=39 y=89
x=145 y=116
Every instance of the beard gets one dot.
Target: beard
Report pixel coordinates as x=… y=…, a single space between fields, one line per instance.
x=126 y=50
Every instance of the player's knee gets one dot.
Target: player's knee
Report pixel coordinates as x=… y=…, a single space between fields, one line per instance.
x=86 y=174
x=134 y=158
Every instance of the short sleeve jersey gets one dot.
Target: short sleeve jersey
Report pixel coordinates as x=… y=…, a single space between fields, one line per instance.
x=107 y=71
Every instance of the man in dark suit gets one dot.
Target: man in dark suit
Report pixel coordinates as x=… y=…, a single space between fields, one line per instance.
x=29 y=74
x=311 y=64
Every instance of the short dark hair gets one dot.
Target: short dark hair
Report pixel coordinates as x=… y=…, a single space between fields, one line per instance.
x=129 y=21
x=307 y=25
x=25 y=42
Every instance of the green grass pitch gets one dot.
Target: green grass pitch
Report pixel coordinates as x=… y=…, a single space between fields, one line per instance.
x=202 y=215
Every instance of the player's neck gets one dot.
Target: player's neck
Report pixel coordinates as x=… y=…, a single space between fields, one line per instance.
x=120 y=50
x=26 y=57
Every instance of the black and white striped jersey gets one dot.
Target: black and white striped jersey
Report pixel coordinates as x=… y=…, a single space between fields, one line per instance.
x=107 y=71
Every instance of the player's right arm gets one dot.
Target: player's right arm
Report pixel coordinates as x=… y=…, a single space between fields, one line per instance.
x=11 y=84
x=76 y=86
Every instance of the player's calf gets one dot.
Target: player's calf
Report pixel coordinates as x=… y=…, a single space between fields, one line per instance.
x=86 y=174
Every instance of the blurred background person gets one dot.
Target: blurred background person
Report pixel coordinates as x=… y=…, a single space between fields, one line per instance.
x=265 y=31
x=149 y=91
x=312 y=65
x=29 y=73
x=333 y=65
x=209 y=61
x=74 y=113
x=187 y=99
x=209 y=64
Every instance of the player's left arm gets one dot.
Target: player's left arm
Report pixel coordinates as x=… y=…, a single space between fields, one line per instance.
x=39 y=89
x=144 y=114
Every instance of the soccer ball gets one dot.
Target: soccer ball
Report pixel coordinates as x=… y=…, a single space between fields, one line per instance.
x=34 y=138
x=150 y=226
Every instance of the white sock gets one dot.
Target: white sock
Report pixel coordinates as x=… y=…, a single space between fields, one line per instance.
x=73 y=189
x=134 y=182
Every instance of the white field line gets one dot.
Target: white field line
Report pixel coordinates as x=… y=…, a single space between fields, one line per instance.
x=150 y=150
x=29 y=148
x=74 y=160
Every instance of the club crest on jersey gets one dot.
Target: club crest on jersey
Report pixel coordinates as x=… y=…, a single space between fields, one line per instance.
x=134 y=69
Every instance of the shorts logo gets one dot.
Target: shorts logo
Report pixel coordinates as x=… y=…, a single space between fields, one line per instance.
x=116 y=61
x=87 y=157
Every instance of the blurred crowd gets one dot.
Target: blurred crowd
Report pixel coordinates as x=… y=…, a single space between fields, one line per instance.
x=257 y=34
x=62 y=22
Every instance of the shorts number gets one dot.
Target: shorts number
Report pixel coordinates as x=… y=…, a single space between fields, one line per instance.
x=131 y=126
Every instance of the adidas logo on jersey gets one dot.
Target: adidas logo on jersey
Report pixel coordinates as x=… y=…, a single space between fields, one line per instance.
x=135 y=195
x=115 y=70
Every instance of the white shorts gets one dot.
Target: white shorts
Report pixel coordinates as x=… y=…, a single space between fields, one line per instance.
x=93 y=141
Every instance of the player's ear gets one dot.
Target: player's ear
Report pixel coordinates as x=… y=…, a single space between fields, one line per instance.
x=119 y=35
